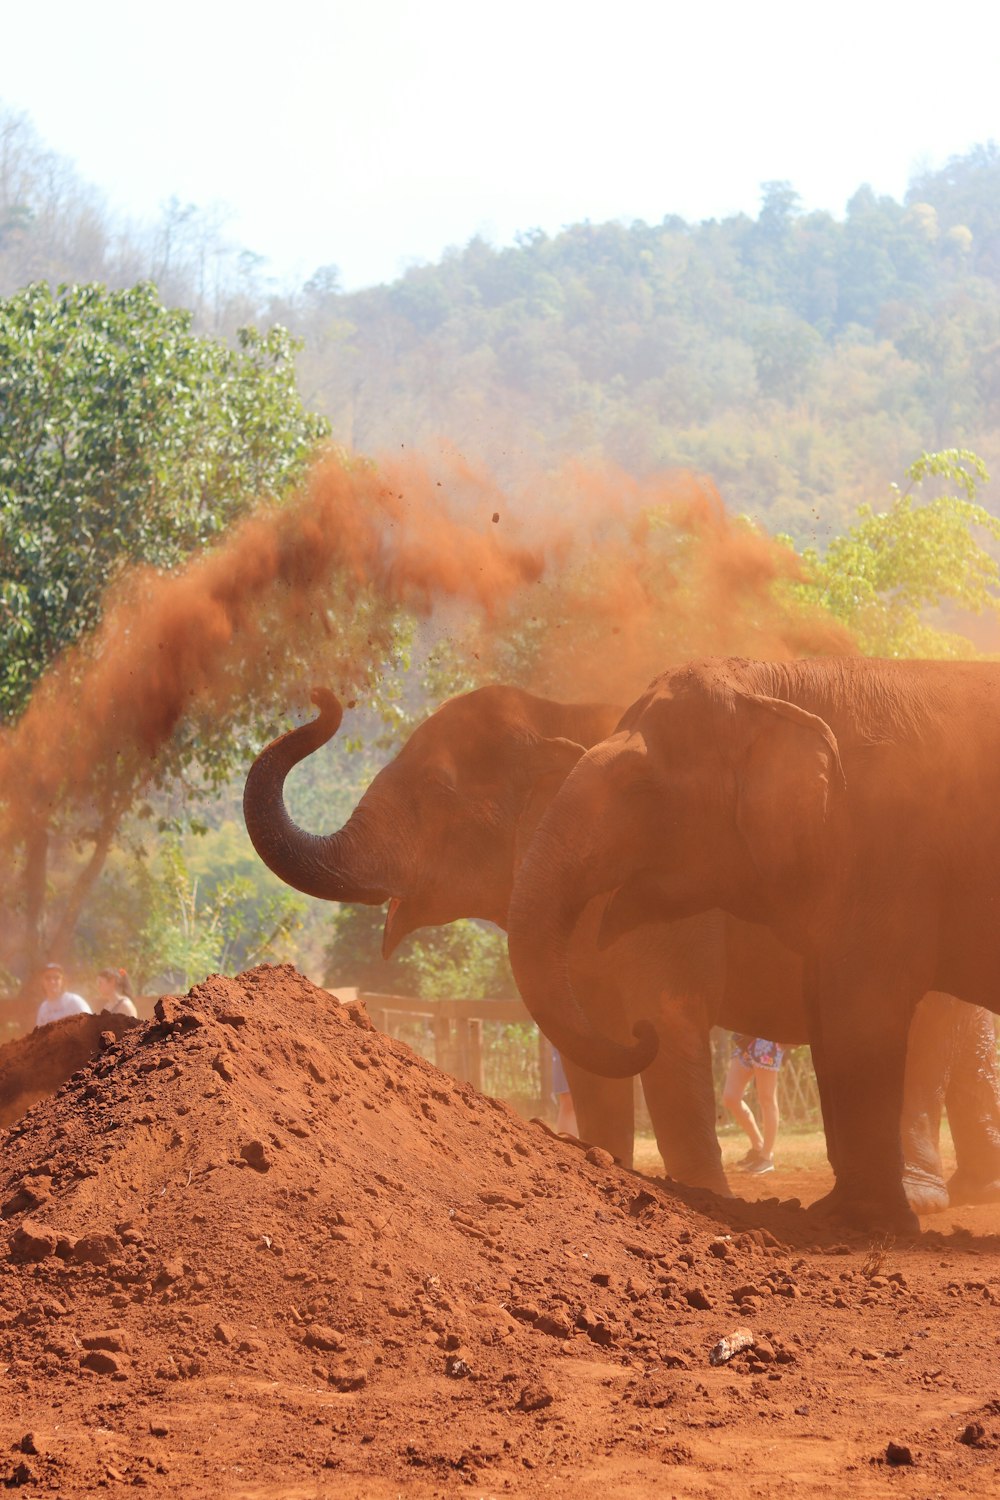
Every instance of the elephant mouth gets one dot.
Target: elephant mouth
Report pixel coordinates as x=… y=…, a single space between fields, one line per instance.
x=406 y=913
x=396 y=927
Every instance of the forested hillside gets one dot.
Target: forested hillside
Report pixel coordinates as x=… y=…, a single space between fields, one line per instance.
x=799 y=358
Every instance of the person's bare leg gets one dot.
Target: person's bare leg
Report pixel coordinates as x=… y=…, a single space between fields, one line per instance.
x=766 y=1080
x=736 y=1084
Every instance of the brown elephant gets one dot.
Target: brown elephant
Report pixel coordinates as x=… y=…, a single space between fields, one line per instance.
x=851 y=806
x=438 y=835
x=951 y=1061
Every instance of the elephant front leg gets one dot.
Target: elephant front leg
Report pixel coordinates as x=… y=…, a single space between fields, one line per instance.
x=858 y=1025
x=680 y=1097
x=605 y=1111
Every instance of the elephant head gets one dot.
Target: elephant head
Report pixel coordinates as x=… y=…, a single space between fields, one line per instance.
x=708 y=794
x=438 y=831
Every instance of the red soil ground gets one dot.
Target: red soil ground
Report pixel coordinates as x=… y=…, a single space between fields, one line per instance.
x=258 y=1249
x=35 y=1065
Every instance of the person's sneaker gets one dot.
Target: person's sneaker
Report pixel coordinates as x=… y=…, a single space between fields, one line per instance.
x=744 y=1163
x=760 y=1166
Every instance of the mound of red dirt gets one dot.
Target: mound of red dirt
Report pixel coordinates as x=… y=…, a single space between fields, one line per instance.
x=35 y=1065
x=257 y=1247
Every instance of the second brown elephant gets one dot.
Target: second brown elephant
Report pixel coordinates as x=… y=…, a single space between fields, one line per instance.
x=438 y=835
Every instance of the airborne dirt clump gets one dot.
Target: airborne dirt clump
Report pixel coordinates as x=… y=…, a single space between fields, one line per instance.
x=256 y=1247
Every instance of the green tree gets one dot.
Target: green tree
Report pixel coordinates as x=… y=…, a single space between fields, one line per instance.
x=462 y=959
x=884 y=575
x=190 y=906
x=125 y=438
x=223 y=921
x=465 y=960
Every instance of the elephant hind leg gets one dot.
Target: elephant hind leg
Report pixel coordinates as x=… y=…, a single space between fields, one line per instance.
x=859 y=1011
x=929 y=1051
x=962 y=1190
x=972 y=1100
x=926 y=1191
x=952 y=1063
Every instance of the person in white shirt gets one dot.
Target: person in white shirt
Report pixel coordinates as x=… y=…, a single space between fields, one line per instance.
x=58 y=1002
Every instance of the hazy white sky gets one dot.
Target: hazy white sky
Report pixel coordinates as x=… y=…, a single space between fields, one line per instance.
x=371 y=133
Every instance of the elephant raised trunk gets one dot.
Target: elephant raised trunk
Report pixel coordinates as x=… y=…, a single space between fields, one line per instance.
x=540 y=931
x=331 y=867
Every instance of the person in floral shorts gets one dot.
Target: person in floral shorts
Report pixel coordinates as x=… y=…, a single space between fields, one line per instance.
x=755 y=1059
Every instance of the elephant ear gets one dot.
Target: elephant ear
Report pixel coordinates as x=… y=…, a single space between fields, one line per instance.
x=789 y=770
x=548 y=763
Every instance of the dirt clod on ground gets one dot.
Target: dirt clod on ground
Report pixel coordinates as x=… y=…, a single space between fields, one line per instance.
x=256 y=1247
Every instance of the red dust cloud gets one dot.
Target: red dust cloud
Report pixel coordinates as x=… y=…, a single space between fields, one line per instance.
x=645 y=573
x=172 y=646
x=572 y=557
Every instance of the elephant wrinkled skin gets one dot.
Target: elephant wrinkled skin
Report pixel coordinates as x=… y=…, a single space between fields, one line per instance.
x=851 y=806
x=438 y=835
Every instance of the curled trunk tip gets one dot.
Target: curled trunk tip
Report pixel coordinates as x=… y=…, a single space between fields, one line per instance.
x=632 y=1059
x=328 y=866
x=646 y=1040
x=598 y=1054
x=330 y=713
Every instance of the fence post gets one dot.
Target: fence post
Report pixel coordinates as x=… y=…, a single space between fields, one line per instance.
x=461 y=1068
x=475 y=1054
x=442 y=1043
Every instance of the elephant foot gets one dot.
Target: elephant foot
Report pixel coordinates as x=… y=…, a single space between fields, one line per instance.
x=569 y=1139
x=706 y=1181
x=963 y=1188
x=926 y=1192
x=887 y=1213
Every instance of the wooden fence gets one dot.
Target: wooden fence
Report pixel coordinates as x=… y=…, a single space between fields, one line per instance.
x=495 y=1046
x=450 y=1033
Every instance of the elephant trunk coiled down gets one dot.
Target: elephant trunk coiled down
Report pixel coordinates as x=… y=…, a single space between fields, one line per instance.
x=540 y=961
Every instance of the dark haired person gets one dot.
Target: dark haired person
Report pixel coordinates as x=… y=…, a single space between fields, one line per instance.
x=114 y=992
